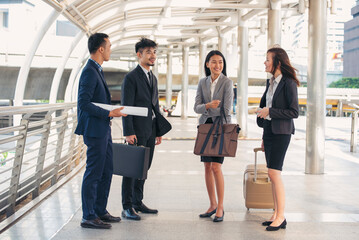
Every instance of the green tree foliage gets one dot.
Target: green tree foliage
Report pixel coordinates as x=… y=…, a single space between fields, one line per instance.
x=345 y=83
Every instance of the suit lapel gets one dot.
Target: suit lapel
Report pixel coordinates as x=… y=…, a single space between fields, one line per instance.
x=208 y=89
x=102 y=79
x=279 y=87
x=105 y=84
x=142 y=75
x=218 y=86
x=263 y=102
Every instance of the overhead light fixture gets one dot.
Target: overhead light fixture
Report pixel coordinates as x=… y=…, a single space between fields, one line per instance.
x=209 y=30
x=168 y=12
x=96 y=20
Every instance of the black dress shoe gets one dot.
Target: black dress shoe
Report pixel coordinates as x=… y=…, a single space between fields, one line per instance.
x=130 y=214
x=282 y=225
x=207 y=214
x=267 y=223
x=218 y=219
x=95 y=223
x=144 y=209
x=109 y=218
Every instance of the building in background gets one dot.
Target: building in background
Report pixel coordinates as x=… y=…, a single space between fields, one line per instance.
x=295 y=31
x=351 y=44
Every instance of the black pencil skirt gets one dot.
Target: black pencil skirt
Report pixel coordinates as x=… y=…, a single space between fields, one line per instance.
x=212 y=159
x=275 y=146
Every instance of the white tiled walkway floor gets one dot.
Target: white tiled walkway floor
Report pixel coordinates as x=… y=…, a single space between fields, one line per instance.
x=318 y=206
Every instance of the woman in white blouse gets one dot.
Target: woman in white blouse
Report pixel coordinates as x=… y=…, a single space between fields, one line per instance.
x=213 y=92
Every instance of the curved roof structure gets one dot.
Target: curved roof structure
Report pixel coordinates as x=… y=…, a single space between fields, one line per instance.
x=169 y=22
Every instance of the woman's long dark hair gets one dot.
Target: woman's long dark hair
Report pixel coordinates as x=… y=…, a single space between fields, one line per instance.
x=209 y=55
x=281 y=56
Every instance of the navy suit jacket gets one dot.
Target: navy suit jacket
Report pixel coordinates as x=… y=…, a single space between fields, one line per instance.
x=136 y=91
x=93 y=121
x=284 y=107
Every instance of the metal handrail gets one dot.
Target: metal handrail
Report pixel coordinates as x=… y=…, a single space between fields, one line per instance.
x=6 y=111
x=43 y=166
x=11 y=129
x=11 y=139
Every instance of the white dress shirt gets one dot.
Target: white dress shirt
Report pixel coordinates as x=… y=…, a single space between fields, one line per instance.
x=273 y=84
x=148 y=79
x=213 y=86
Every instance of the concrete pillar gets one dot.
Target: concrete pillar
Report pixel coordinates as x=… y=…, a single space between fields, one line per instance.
x=60 y=69
x=155 y=68
x=222 y=43
x=184 y=96
x=242 y=79
x=169 y=77
x=274 y=23
x=25 y=68
x=202 y=58
x=316 y=105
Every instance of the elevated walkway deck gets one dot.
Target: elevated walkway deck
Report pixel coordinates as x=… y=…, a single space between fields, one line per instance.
x=317 y=206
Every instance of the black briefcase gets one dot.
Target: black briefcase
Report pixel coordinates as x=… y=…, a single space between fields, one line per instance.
x=130 y=160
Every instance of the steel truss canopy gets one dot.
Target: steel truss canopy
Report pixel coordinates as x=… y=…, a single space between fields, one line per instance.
x=169 y=22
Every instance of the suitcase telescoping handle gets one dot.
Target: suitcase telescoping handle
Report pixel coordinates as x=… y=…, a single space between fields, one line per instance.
x=255 y=161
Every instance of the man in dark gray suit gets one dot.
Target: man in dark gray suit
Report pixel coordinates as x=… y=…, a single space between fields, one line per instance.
x=140 y=89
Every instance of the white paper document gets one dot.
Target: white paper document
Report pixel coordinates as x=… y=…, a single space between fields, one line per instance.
x=137 y=111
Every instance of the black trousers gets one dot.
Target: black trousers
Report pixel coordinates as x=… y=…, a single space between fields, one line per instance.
x=132 y=189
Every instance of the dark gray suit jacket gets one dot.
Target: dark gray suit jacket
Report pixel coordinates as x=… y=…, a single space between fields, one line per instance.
x=284 y=107
x=136 y=91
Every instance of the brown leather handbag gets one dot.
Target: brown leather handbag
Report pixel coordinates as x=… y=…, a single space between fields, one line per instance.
x=217 y=139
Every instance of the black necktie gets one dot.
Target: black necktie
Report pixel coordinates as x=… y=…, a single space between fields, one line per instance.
x=150 y=78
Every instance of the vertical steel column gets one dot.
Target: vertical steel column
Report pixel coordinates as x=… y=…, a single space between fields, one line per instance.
x=274 y=23
x=339 y=112
x=25 y=68
x=72 y=149
x=354 y=132
x=317 y=50
x=242 y=79
x=60 y=141
x=222 y=43
x=16 y=171
x=169 y=78
x=11 y=118
x=184 y=96
x=74 y=72
x=42 y=155
x=60 y=69
x=202 y=58
x=155 y=69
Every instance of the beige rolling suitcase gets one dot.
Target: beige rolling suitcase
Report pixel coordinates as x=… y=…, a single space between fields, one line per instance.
x=257 y=188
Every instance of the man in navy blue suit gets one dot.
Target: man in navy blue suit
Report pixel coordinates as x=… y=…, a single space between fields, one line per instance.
x=94 y=125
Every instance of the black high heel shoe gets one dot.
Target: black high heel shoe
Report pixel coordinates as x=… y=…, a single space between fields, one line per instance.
x=218 y=219
x=267 y=223
x=208 y=214
x=282 y=225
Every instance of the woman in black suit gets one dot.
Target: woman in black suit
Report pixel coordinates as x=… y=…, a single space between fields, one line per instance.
x=278 y=107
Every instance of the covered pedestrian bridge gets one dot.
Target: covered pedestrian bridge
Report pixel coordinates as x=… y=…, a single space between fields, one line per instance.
x=45 y=160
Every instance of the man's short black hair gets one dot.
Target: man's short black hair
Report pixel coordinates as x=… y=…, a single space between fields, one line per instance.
x=96 y=41
x=143 y=43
